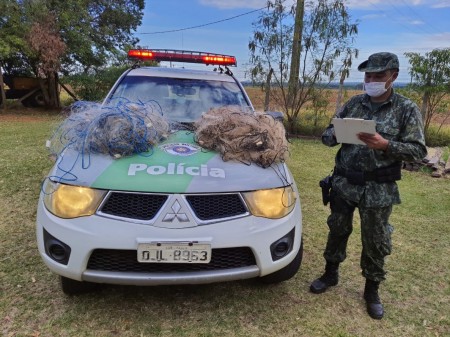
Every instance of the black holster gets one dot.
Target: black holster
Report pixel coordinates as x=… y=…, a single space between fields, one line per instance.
x=325 y=185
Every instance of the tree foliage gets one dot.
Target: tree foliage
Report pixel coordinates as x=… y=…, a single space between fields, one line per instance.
x=46 y=44
x=430 y=75
x=326 y=50
x=84 y=35
x=94 y=87
x=45 y=41
x=11 y=38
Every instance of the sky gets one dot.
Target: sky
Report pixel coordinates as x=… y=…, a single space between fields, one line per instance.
x=226 y=26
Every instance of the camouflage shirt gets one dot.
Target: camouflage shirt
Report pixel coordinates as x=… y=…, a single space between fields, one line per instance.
x=398 y=120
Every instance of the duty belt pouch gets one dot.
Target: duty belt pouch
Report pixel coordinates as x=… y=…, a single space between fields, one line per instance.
x=355 y=177
x=389 y=174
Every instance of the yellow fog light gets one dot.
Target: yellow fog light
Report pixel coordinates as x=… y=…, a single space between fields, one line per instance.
x=273 y=204
x=66 y=201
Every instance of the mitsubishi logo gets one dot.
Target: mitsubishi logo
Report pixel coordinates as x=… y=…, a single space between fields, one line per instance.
x=176 y=208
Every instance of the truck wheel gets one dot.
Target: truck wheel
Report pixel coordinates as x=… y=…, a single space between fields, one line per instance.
x=287 y=272
x=34 y=101
x=74 y=287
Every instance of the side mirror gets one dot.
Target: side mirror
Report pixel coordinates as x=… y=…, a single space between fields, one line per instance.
x=277 y=115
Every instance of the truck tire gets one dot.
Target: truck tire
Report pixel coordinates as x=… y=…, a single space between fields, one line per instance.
x=74 y=287
x=34 y=101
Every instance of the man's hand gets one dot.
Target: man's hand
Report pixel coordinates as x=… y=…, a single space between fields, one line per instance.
x=374 y=141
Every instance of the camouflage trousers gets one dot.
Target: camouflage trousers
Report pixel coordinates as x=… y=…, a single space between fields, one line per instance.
x=375 y=236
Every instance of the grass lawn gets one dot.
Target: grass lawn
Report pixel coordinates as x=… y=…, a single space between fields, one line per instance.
x=416 y=294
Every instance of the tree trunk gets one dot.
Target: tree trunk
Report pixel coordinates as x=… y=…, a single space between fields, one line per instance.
x=340 y=94
x=267 y=89
x=296 y=51
x=50 y=90
x=2 y=91
x=53 y=90
x=424 y=108
x=52 y=94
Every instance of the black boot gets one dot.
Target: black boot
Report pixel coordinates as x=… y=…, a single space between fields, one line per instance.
x=328 y=279
x=374 y=306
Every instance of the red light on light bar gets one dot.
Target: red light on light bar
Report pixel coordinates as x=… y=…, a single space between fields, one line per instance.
x=220 y=60
x=182 y=56
x=141 y=54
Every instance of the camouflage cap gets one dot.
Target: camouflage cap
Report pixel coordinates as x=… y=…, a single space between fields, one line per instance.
x=379 y=62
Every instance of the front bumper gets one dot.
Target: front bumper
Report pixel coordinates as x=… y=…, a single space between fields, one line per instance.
x=86 y=234
x=147 y=279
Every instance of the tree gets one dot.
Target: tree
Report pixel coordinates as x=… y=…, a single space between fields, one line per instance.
x=344 y=72
x=296 y=49
x=430 y=75
x=45 y=41
x=11 y=38
x=95 y=34
x=325 y=52
x=269 y=47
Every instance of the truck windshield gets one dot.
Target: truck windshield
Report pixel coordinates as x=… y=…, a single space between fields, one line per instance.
x=181 y=100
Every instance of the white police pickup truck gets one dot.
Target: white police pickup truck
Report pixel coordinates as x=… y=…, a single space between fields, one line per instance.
x=179 y=215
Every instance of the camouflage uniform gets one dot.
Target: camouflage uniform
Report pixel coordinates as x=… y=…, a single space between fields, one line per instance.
x=398 y=120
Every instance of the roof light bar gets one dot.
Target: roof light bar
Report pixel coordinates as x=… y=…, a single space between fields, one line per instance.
x=182 y=56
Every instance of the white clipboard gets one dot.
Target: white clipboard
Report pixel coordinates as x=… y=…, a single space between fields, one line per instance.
x=346 y=129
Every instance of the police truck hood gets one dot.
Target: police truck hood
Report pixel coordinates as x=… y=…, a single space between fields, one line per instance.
x=177 y=165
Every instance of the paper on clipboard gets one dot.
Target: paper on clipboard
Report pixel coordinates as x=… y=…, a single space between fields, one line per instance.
x=346 y=129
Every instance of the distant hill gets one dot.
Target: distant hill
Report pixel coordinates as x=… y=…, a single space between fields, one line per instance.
x=359 y=85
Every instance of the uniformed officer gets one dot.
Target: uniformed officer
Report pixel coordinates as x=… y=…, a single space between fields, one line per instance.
x=365 y=175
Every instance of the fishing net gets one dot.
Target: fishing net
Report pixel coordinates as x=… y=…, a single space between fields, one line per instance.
x=122 y=130
x=246 y=136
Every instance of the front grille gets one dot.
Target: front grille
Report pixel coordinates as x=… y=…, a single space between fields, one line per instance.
x=145 y=206
x=134 y=206
x=126 y=261
x=216 y=206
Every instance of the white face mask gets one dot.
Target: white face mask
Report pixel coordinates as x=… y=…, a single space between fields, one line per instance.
x=376 y=89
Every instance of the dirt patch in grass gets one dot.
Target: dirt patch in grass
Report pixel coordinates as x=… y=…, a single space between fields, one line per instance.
x=17 y=118
x=22 y=114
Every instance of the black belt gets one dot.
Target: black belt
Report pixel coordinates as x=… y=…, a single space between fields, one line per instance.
x=386 y=174
x=366 y=175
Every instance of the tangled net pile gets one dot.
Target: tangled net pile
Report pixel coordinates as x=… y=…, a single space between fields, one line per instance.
x=242 y=135
x=121 y=130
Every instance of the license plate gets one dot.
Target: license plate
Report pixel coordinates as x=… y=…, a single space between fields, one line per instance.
x=169 y=252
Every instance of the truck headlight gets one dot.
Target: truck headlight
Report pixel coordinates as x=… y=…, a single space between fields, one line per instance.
x=66 y=201
x=273 y=204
